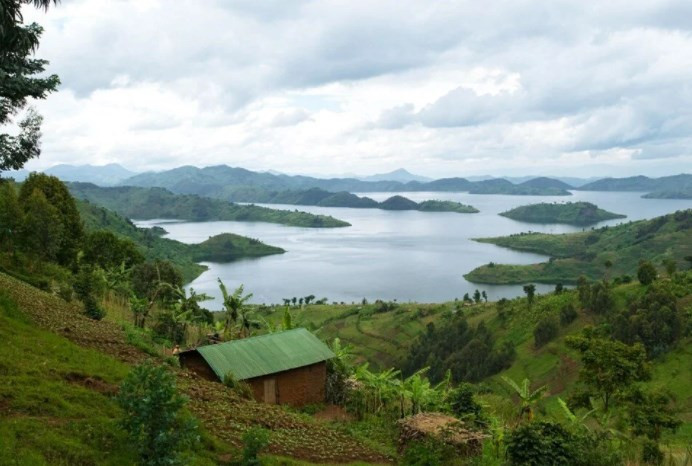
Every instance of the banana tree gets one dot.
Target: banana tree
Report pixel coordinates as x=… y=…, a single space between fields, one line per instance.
x=527 y=397
x=233 y=305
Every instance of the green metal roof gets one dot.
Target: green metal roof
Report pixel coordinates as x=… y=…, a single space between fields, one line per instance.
x=265 y=354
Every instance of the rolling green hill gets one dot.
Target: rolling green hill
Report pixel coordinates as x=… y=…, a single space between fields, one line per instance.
x=572 y=213
x=674 y=193
x=220 y=248
x=534 y=187
x=148 y=203
x=585 y=253
x=640 y=183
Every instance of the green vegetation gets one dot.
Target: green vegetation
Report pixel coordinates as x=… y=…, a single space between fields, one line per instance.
x=148 y=203
x=680 y=193
x=227 y=247
x=534 y=187
x=641 y=183
x=572 y=213
x=615 y=250
x=446 y=206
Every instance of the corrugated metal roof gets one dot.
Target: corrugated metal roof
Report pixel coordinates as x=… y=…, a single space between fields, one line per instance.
x=265 y=354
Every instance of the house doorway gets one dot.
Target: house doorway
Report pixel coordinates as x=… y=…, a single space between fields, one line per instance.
x=270 y=390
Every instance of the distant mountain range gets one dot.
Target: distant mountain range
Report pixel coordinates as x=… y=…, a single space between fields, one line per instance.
x=102 y=175
x=401 y=175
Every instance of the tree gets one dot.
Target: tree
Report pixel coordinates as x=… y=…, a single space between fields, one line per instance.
x=608 y=264
x=467 y=299
x=234 y=306
x=584 y=291
x=20 y=83
x=150 y=280
x=154 y=417
x=530 y=291
x=42 y=233
x=609 y=367
x=485 y=296
x=545 y=330
x=11 y=216
x=463 y=404
x=106 y=250
x=477 y=296
x=87 y=286
x=310 y=298
x=559 y=288
x=527 y=397
x=646 y=273
x=601 y=298
x=69 y=221
x=567 y=314
x=670 y=265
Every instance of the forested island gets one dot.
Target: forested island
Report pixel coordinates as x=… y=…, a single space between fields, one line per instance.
x=149 y=203
x=572 y=213
x=605 y=251
x=675 y=193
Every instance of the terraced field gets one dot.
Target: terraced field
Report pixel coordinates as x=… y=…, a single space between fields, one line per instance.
x=223 y=415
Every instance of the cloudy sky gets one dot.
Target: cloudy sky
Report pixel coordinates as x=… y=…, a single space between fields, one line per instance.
x=441 y=88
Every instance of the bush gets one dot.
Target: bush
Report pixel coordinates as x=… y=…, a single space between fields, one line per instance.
x=646 y=273
x=463 y=404
x=540 y=443
x=254 y=441
x=153 y=416
x=241 y=387
x=567 y=314
x=427 y=452
x=545 y=330
x=651 y=453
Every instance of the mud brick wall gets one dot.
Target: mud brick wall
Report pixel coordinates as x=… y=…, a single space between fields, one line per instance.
x=195 y=362
x=296 y=387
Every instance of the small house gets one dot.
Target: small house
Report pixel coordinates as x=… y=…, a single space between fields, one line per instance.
x=288 y=367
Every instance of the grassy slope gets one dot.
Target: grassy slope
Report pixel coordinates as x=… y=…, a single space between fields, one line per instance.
x=220 y=248
x=383 y=340
x=148 y=203
x=59 y=371
x=572 y=213
x=574 y=254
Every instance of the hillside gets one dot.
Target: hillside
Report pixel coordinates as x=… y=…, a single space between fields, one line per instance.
x=585 y=253
x=675 y=193
x=241 y=185
x=533 y=187
x=67 y=415
x=640 y=183
x=572 y=213
x=383 y=334
x=148 y=203
x=220 y=248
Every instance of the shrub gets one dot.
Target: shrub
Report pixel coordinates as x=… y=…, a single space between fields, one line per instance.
x=254 y=441
x=463 y=404
x=153 y=416
x=567 y=314
x=545 y=330
x=540 y=443
x=646 y=273
x=427 y=452
x=241 y=387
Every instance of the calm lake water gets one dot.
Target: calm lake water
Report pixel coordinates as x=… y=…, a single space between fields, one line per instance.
x=405 y=255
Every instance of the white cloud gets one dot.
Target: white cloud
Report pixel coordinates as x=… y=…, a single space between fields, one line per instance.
x=442 y=88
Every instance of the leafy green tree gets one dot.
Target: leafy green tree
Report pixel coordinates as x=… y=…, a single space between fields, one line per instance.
x=154 y=417
x=608 y=264
x=530 y=291
x=42 y=233
x=88 y=286
x=651 y=413
x=485 y=296
x=559 y=288
x=106 y=250
x=11 y=216
x=467 y=298
x=463 y=404
x=527 y=397
x=656 y=320
x=601 y=298
x=22 y=79
x=670 y=265
x=584 y=291
x=539 y=444
x=156 y=281
x=646 y=273
x=568 y=314
x=69 y=221
x=477 y=296
x=609 y=367
x=545 y=330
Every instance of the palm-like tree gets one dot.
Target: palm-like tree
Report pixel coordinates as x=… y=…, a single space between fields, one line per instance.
x=234 y=306
x=527 y=397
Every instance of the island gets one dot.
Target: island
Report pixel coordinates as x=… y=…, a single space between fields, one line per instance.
x=595 y=254
x=571 y=213
x=541 y=186
x=228 y=247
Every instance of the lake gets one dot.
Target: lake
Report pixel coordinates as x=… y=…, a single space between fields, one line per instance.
x=403 y=255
